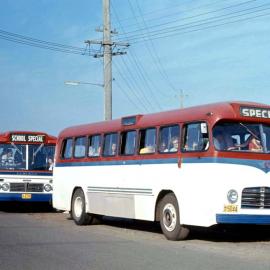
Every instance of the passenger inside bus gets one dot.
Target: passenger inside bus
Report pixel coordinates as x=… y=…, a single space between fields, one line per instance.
x=252 y=143
x=255 y=145
x=7 y=156
x=219 y=141
x=163 y=148
x=113 y=149
x=50 y=164
x=174 y=144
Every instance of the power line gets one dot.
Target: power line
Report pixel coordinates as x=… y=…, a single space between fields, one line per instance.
x=132 y=90
x=138 y=68
x=127 y=96
x=163 y=34
x=144 y=98
x=164 y=15
x=25 y=40
x=192 y=17
x=154 y=55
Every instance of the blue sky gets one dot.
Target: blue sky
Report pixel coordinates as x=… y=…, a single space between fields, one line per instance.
x=223 y=61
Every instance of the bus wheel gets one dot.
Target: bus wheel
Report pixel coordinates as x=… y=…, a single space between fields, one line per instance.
x=78 y=208
x=170 y=220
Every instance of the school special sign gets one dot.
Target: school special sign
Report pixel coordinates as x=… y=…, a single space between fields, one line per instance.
x=27 y=138
x=255 y=112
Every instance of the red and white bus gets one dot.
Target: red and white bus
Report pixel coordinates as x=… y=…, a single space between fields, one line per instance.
x=26 y=166
x=199 y=166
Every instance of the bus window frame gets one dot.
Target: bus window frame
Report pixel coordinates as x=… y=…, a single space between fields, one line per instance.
x=179 y=139
x=62 y=148
x=136 y=142
x=74 y=146
x=184 y=130
x=101 y=145
x=117 y=144
x=139 y=141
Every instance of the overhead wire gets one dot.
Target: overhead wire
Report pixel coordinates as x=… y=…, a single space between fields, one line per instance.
x=155 y=55
x=191 y=17
x=164 y=15
x=25 y=40
x=178 y=29
x=155 y=37
x=131 y=89
x=138 y=69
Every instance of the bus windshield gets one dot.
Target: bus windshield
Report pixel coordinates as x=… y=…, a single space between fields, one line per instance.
x=26 y=157
x=241 y=136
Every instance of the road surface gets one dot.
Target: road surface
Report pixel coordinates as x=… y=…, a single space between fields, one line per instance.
x=30 y=239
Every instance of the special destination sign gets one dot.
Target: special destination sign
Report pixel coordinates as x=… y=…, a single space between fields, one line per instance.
x=27 y=138
x=255 y=112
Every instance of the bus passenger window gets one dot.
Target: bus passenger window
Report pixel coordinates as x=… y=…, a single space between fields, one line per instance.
x=128 y=142
x=196 y=137
x=110 y=144
x=148 y=141
x=67 y=148
x=94 y=146
x=168 y=139
x=80 y=147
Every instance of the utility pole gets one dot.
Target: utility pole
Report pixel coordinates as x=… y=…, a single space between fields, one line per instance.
x=182 y=96
x=107 y=60
x=107 y=54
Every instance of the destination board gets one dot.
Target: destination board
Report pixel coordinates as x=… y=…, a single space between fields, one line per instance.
x=255 y=112
x=27 y=138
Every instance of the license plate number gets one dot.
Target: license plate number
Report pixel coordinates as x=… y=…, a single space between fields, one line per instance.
x=26 y=196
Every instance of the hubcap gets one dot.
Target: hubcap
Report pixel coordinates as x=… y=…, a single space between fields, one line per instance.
x=169 y=217
x=78 y=207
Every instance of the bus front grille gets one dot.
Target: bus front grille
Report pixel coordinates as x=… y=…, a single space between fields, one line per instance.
x=17 y=187
x=26 y=187
x=256 y=197
x=34 y=187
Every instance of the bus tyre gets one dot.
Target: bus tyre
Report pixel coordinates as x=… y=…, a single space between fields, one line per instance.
x=78 y=208
x=170 y=219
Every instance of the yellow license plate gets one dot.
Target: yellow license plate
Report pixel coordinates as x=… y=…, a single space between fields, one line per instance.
x=26 y=196
x=230 y=208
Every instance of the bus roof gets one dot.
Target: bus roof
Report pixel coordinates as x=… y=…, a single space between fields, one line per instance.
x=214 y=112
x=27 y=137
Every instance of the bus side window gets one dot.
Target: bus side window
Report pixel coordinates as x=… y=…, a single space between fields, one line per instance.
x=196 y=137
x=80 y=147
x=128 y=142
x=169 y=139
x=67 y=148
x=147 y=141
x=110 y=144
x=94 y=146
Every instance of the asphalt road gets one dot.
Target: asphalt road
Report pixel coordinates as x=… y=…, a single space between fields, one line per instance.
x=38 y=239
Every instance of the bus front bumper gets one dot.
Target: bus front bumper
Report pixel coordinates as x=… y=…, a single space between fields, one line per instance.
x=242 y=219
x=26 y=197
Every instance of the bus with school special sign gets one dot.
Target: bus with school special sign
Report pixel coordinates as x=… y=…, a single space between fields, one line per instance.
x=26 y=166
x=198 y=166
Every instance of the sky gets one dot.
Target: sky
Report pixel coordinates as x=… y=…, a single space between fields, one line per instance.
x=203 y=50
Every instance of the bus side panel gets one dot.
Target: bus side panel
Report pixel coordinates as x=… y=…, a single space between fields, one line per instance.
x=120 y=190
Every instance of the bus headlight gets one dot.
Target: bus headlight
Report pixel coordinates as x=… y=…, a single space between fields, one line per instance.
x=232 y=196
x=5 y=187
x=48 y=188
